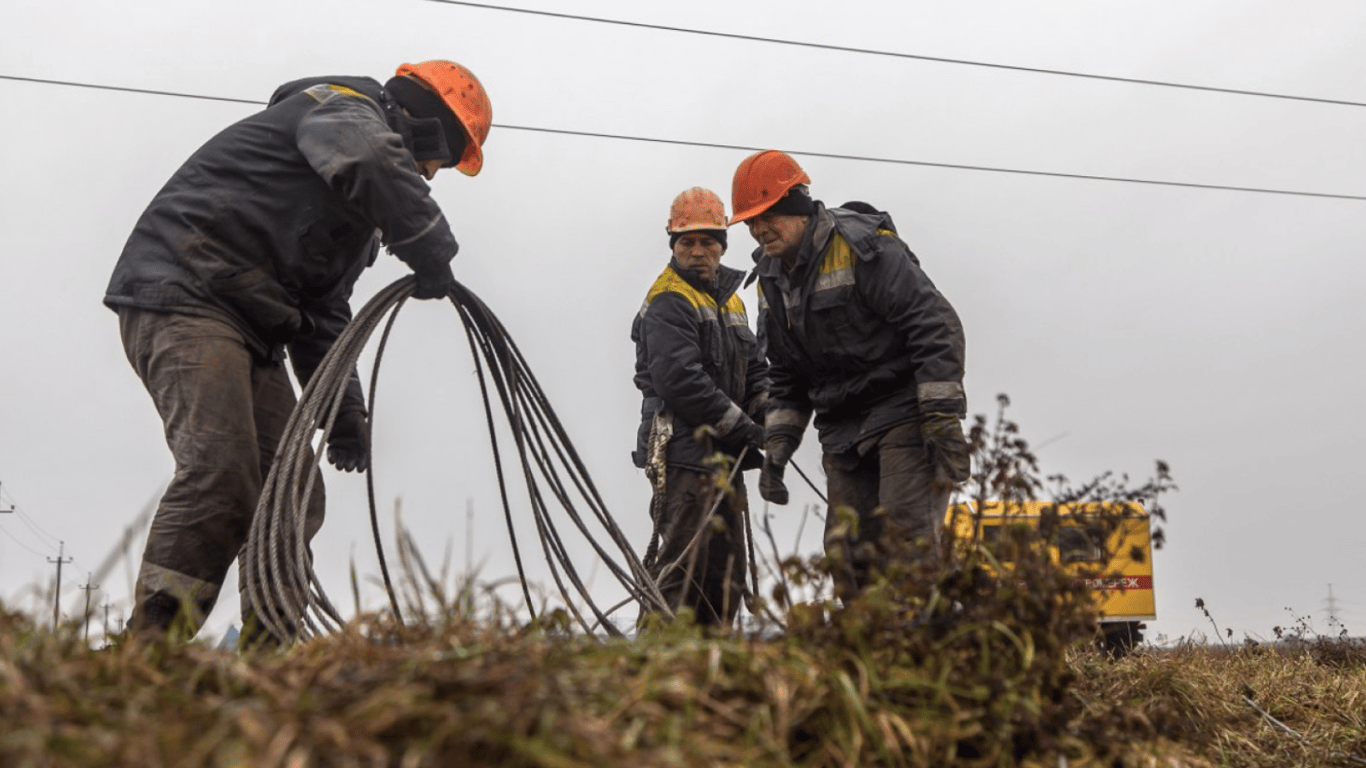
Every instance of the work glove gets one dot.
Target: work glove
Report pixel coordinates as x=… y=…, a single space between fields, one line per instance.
x=777 y=453
x=946 y=447
x=745 y=434
x=348 y=447
x=434 y=282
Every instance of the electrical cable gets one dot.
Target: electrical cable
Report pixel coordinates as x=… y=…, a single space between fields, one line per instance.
x=146 y=91
x=282 y=589
x=21 y=544
x=692 y=548
x=912 y=56
x=29 y=522
x=808 y=482
x=803 y=153
x=33 y=526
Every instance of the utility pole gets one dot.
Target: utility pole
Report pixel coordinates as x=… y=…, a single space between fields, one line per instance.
x=57 y=596
x=88 y=589
x=7 y=509
x=107 y=606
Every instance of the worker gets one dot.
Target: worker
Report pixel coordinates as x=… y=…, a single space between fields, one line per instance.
x=704 y=387
x=247 y=255
x=859 y=336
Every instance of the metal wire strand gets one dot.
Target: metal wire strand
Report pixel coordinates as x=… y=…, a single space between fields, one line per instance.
x=279 y=582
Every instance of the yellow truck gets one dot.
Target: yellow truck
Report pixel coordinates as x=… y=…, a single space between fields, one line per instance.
x=1108 y=545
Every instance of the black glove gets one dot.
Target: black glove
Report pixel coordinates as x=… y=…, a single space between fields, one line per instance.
x=777 y=453
x=434 y=282
x=946 y=447
x=745 y=434
x=348 y=447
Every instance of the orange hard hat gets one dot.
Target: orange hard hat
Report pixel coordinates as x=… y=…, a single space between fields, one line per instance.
x=761 y=180
x=695 y=209
x=464 y=95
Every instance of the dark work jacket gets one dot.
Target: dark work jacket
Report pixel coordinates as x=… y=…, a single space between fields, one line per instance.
x=856 y=332
x=269 y=224
x=698 y=361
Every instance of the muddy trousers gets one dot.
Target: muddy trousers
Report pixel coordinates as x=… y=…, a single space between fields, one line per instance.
x=699 y=564
x=884 y=506
x=223 y=411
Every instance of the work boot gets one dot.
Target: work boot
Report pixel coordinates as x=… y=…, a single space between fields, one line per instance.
x=165 y=616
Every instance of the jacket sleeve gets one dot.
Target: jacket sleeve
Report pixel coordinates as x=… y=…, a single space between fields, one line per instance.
x=328 y=317
x=789 y=400
x=756 y=384
x=347 y=142
x=674 y=361
x=895 y=287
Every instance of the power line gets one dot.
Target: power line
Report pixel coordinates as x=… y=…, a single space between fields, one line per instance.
x=953 y=166
x=132 y=90
x=33 y=526
x=24 y=517
x=31 y=550
x=804 y=153
x=899 y=55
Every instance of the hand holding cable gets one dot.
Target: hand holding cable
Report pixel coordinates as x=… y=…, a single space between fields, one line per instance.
x=434 y=281
x=348 y=446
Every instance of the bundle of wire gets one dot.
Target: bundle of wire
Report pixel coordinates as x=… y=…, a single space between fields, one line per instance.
x=277 y=568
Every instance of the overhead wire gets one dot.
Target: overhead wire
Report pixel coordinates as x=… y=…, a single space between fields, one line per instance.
x=901 y=55
x=800 y=152
x=145 y=91
x=32 y=525
x=45 y=539
x=11 y=537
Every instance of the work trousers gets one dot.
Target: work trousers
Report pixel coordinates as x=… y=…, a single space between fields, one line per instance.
x=697 y=562
x=223 y=411
x=888 y=482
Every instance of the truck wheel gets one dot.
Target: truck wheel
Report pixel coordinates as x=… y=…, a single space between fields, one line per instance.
x=1119 y=637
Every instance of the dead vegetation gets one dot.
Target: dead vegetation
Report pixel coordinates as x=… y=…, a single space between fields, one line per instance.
x=965 y=668
x=830 y=693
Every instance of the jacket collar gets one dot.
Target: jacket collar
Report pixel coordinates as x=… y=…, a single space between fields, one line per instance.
x=819 y=229
x=726 y=283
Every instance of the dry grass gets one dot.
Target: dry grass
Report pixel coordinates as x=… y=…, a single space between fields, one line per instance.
x=966 y=668
x=830 y=693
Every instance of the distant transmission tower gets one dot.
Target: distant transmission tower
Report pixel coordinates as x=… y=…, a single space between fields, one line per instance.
x=1330 y=608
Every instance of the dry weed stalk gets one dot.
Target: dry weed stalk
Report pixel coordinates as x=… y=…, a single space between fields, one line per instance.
x=981 y=666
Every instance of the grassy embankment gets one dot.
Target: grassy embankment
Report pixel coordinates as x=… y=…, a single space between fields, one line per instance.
x=966 y=668
x=830 y=693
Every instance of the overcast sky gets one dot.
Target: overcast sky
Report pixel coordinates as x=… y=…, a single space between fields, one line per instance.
x=1217 y=330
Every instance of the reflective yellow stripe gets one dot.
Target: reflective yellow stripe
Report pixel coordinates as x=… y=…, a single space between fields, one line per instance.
x=669 y=281
x=837 y=268
x=327 y=91
x=734 y=313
